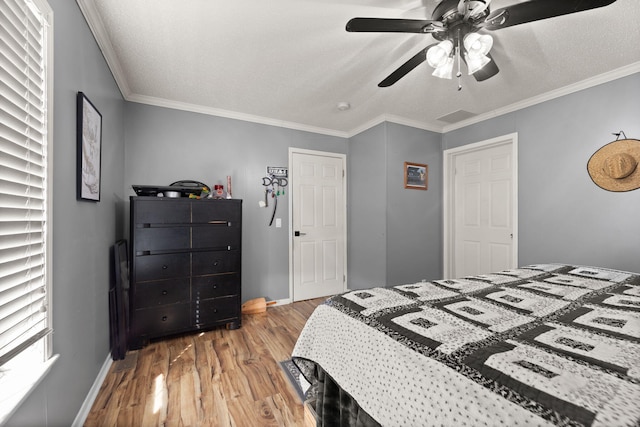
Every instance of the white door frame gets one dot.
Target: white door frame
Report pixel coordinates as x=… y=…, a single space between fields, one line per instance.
x=449 y=157
x=343 y=157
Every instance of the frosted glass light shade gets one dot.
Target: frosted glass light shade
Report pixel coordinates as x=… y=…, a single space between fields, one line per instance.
x=476 y=63
x=444 y=71
x=438 y=55
x=477 y=45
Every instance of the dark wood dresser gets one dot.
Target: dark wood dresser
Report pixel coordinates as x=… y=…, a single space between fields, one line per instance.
x=185 y=266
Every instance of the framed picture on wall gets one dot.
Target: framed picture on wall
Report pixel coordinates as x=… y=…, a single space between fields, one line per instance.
x=415 y=176
x=89 y=141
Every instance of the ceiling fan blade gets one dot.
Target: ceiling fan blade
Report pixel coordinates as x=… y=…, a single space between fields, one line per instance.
x=488 y=71
x=392 y=25
x=535 y=10
x=404 y=69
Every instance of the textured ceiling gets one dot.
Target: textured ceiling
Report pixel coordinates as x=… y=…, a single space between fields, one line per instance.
x=290 y=62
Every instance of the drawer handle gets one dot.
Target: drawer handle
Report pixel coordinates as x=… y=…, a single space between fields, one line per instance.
x=164 y=292
x=214 y=285
x=216 y=263
x=164 y=318
x=164 y=267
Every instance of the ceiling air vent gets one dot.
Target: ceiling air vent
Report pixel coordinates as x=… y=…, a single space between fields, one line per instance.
x=456 y=116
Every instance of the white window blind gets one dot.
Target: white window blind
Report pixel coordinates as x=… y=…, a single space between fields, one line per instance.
x=23 y=177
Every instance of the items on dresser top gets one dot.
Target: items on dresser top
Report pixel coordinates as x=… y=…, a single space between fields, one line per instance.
x=185 y=266
x=185 y=188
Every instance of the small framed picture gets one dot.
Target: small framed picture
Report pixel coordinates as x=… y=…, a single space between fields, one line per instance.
x=89 y=141
x=415 y=176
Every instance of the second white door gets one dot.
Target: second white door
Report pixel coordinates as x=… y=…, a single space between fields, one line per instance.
x=483 y=211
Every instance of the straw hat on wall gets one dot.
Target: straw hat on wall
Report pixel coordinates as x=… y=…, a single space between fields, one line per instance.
x=616 y=166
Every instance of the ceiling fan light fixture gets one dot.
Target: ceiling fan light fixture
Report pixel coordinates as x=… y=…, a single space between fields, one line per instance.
x=477 y=45
x=439 y=54
x=445 y=71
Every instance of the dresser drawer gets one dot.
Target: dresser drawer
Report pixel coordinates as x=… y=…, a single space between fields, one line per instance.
x=213 y=262
x=216 y=236
x=162 y=320
x=158 y=267
x=163 y=292
x=205 y=287
x=215 y=310
x=206 y=212
x=162 y=239
x=162 y=212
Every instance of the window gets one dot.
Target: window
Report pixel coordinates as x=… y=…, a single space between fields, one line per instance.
x=26 y=41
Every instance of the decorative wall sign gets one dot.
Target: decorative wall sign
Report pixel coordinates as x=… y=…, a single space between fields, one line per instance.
x=278 y=171
x=415 y=176
x=89 y=141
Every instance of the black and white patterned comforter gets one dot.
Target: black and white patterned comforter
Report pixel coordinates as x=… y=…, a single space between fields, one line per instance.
x=539 y=345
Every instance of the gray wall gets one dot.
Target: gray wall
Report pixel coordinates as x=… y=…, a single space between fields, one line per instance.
x=414 y=217
x=82 y=231
x=395 y=234
x=367 y=207
x=165 y=145
x=563 y=215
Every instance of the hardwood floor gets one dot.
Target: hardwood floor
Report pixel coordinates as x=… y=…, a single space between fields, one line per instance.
x=215 y=378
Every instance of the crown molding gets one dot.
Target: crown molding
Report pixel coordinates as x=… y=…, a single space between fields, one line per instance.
x=584 y=84
x=94 y=21
x=366 y=126
x=566 y=90
x=194 y=108
x=393 y=119
x=413 y=123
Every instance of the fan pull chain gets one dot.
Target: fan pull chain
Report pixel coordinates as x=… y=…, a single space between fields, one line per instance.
x=459 y=74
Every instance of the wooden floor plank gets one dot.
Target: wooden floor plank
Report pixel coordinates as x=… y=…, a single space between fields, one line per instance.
x=215 y=378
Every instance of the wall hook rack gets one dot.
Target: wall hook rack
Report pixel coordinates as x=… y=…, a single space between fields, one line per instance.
x=618 y=135
x=274 y=188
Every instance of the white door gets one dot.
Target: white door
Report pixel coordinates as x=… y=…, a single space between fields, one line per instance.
x=318 y=211
x=483 y=187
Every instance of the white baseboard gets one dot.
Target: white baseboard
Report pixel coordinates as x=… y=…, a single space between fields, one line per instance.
x=93 y=393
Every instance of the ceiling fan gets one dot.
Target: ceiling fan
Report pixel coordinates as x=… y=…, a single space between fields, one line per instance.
x=456 y=25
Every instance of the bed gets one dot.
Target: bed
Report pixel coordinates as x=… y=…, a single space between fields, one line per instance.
x=544 y=344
